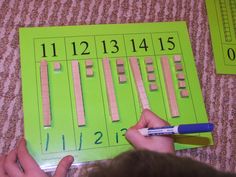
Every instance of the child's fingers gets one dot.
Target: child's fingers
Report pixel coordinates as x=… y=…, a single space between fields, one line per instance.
x=64 y=166
x=148 y=119
x=2 y=170
x=135 y=138
x=25 y=159
x=10 y=164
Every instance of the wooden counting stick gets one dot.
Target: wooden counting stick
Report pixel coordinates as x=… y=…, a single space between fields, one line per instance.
x=139 y=83
x=110 y=90
x=45 y=93
x=169 y=86
x=78 y=93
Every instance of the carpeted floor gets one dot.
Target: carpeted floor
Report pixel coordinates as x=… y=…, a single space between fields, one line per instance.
x=219 y=91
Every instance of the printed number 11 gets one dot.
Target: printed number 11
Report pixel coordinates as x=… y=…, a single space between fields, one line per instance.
x=53 y=49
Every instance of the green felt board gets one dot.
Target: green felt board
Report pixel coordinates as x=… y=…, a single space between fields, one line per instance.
x=222 y=20
x=101 y=138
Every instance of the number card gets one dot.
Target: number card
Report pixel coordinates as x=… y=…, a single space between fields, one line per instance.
x=222 y=20
x=84 y=86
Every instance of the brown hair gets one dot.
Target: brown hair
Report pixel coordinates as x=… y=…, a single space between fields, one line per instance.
x=143 y=163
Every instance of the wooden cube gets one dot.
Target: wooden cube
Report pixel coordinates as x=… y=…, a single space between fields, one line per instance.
x=150 y=69
x=153 y=87
x=122 y=79
x=181 y=84
x=120 y=69
x=148 y=61
x=151 y=77
x=89 y=63
x=184 y=93
x=89 y=72
x=177 y=58
x=180 y=76
x=120 y=62
x=57 y=66
x=178 y=67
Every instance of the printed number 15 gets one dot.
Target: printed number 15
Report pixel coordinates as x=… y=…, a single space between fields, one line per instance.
x=171 y=44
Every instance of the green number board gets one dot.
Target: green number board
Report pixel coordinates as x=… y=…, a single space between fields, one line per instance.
x=222 y=20
x=82 y=90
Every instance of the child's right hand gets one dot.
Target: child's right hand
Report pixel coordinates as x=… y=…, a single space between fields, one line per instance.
x=164 y=144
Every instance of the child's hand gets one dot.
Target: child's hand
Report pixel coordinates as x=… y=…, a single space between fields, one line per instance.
x=155 y=143
x=19 y=163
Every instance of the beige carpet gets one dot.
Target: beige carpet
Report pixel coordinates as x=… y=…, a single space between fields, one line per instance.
x=219 y=91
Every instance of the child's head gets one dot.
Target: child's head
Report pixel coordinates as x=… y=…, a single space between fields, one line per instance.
x=142 y=163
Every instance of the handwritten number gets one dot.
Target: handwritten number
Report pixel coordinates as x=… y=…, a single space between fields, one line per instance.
x=123 y=131
x=231 y=54
x=99 y=137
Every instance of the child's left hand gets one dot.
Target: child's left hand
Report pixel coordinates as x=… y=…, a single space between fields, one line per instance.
x=19 y=163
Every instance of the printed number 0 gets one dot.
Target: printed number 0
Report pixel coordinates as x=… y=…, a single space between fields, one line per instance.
x=231 y=54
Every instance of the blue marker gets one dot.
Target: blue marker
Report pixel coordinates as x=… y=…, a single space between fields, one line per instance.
x=180 y=129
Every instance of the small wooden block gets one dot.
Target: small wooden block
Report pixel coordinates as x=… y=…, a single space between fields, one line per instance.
x=178 y=67
x=153 y=87
x=122 y=79
x=150 y=68
x=151 y=77
x=120 y=69
x=182 y=84
x=57 y=66
x=89 y=72
x=177 y=58
x=89 y=63
x=180 y=76
x=184 y=93
x=119 y=62
x=148 y=61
